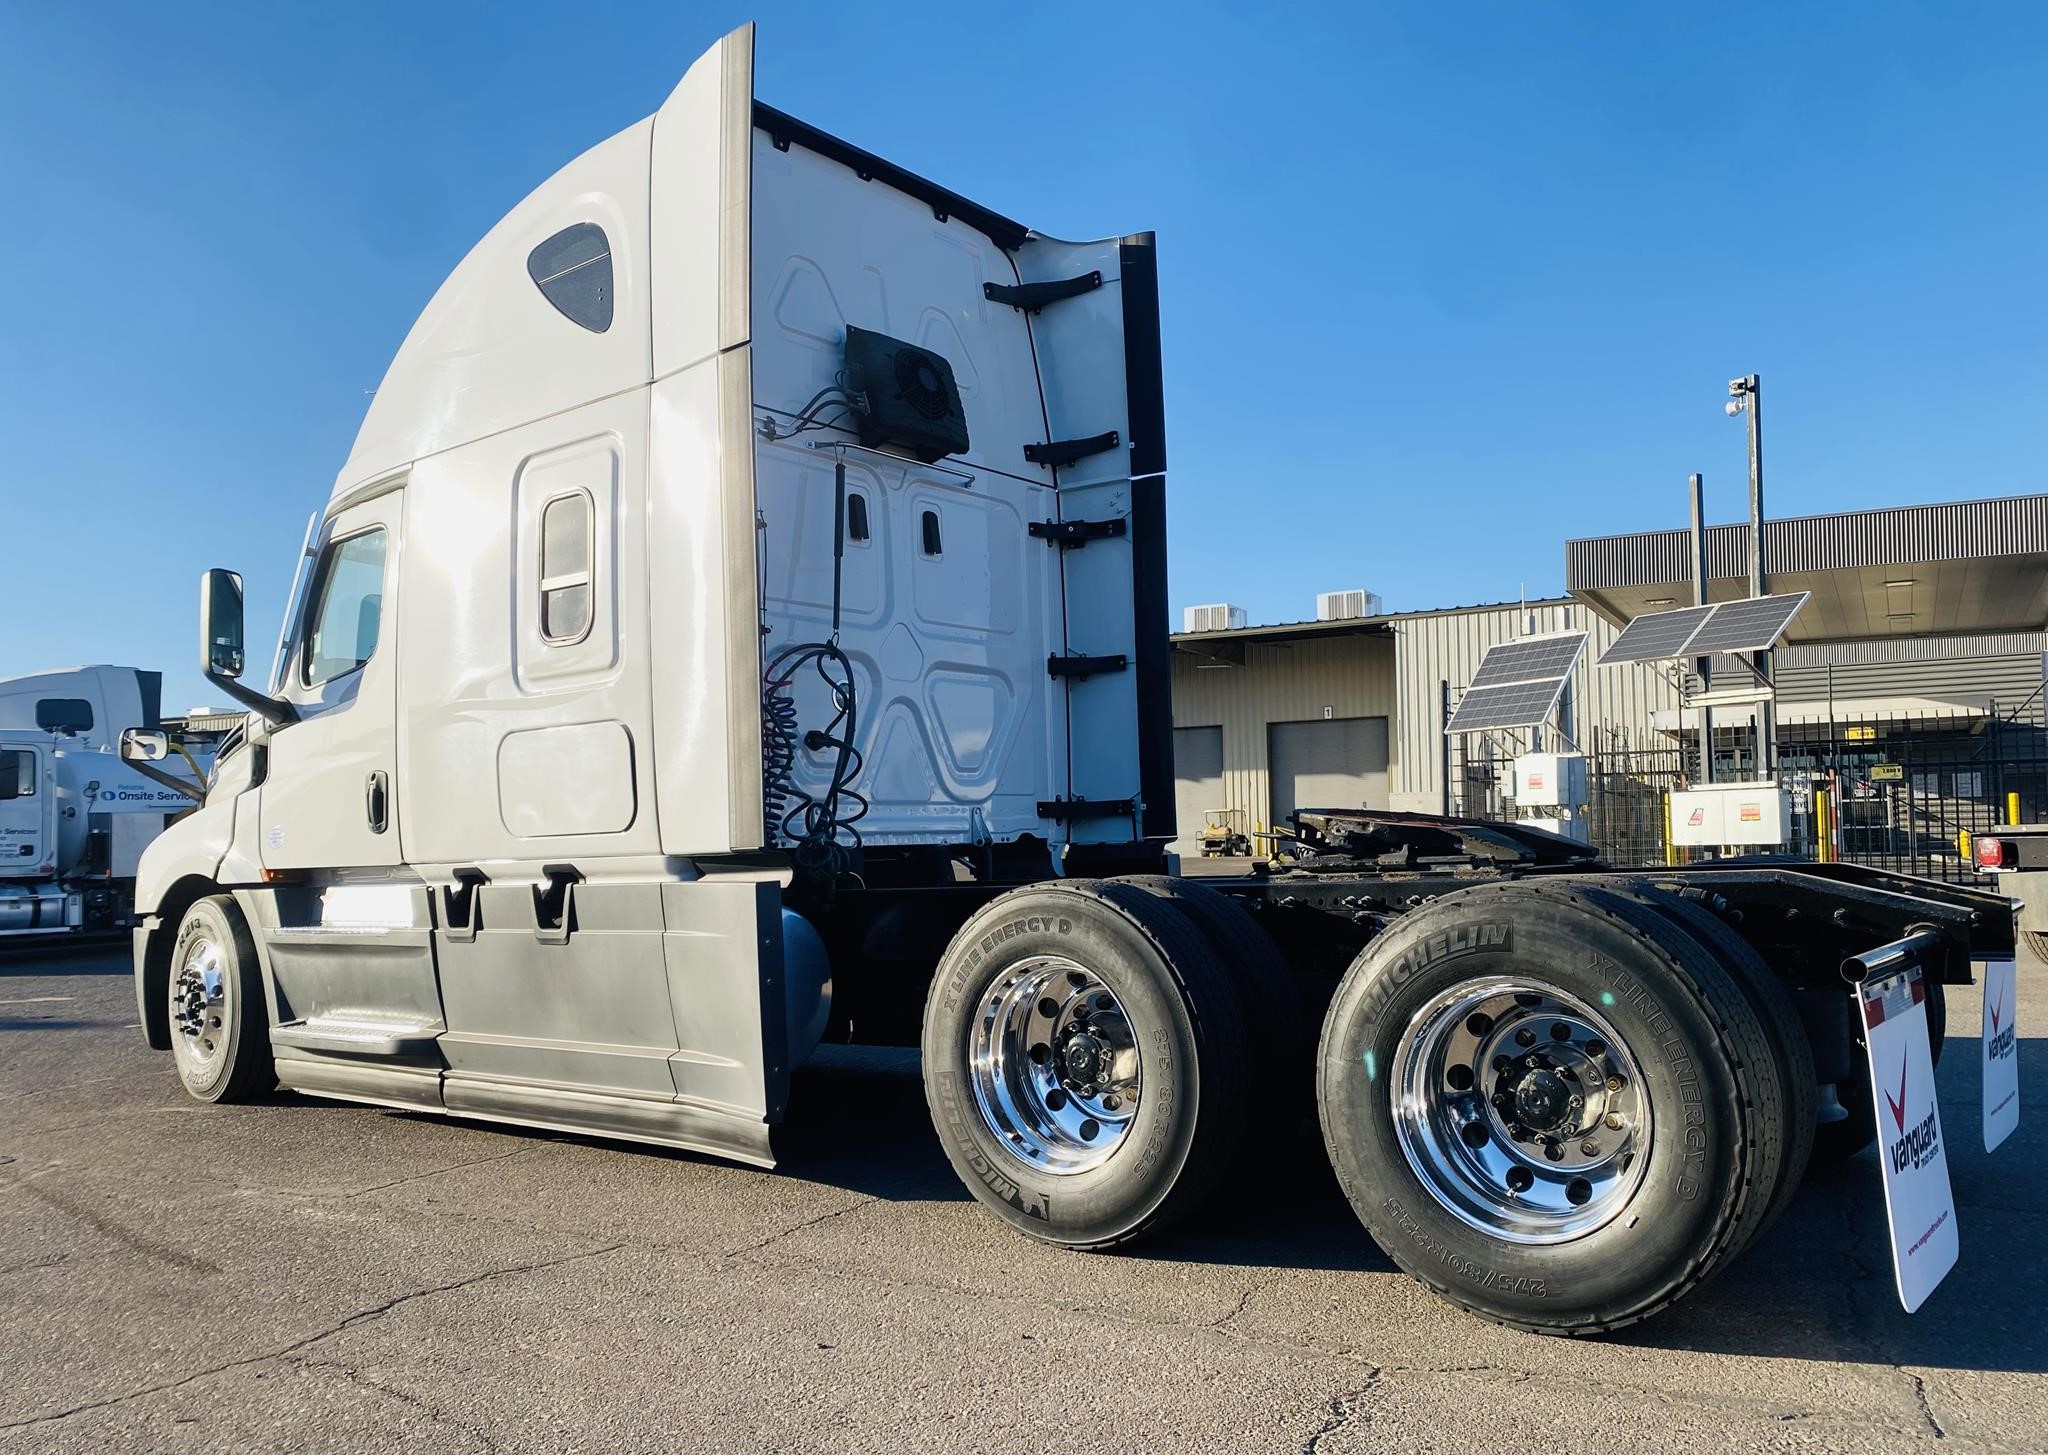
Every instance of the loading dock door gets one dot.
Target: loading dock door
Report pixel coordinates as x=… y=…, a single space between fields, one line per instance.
x=1197 y=783
x=1327 y=763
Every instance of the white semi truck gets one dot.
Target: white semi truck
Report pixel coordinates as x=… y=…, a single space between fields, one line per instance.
x=741 y=622
x=75 y=818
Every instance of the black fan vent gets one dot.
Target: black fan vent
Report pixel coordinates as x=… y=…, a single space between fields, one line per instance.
x=923 y=389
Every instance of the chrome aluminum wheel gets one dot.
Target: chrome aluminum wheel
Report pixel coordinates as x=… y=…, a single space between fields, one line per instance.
x=1521 y=1110
x=199 y=1009
x=1055 y=1065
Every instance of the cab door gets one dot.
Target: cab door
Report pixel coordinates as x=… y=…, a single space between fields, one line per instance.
x=328 y=801
x=25 y=842
x=349 y=936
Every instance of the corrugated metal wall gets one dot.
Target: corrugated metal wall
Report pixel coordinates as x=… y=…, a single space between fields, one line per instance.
x=1292 y=682
x=1399 y=677
x=1962 y=531
x=1969 y=673
x=1446 y=647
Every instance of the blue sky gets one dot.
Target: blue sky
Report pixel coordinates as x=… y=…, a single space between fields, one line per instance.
x=1443 y=284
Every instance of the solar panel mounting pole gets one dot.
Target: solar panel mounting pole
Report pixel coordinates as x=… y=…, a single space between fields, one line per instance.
x=1766 y=710
x=1699 y=598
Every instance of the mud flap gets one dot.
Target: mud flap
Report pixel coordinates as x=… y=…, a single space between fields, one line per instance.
x=1919 y=1203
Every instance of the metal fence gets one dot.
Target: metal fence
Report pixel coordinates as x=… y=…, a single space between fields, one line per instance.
x=1900 y=791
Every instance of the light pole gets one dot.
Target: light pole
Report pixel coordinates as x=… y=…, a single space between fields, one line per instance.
x=1745 y=396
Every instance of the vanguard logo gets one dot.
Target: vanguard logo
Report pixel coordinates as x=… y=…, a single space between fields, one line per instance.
x=1917 y=1147
x=2001 y=1044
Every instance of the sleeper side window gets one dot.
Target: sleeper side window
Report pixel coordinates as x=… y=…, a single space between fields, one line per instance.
x=348 y=607
x=17 y=774
x=573 y=270
x=566 y=579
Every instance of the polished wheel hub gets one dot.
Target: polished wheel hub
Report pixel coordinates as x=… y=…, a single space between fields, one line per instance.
x=1521 y=1111
x=1055 y=1066
x=199 y=1003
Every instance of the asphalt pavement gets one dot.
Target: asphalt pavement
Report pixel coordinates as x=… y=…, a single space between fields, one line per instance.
x=307 y=1275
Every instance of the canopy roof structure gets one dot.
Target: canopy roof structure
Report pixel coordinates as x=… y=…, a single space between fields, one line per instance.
x=1924 y=570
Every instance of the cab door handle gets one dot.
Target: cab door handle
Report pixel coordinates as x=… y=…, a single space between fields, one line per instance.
x=377 y=800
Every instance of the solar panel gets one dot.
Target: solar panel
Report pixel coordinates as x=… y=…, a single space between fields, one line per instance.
x=1657 y=636
x=1518 y=683
x=1514 y=704
x=1529 y=660
x=1746 y=626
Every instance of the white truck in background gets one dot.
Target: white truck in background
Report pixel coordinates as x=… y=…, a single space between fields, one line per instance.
x=75 y=818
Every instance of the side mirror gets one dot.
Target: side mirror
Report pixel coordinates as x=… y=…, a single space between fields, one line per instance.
x=143 y=745
x=220 y=624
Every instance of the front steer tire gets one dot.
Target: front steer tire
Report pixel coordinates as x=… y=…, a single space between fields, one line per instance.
x=1703 y=1062
x=1182 y=1009
x=219 y=1023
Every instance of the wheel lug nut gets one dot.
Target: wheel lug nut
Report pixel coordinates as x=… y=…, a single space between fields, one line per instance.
x=1614 y=1083
x=1525 y=1037
x=1554 y=1152
x=1112 y=1103
x=1589 y=1148
x=1614 y=1121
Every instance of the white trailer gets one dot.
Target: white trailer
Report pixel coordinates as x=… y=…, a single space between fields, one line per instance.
x=742 y=621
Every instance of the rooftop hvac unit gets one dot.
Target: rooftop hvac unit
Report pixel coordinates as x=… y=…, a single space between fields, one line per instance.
x=1344 y=605
x=910 y=397
x=1218 y=618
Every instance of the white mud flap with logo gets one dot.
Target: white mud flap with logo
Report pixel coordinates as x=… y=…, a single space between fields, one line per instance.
x=1917 y=1198
x=2001 y=1049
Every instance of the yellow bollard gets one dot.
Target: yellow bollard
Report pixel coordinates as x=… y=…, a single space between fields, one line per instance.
x=1823 y=835
x=1963 y=845
x=2012 y=807
x=1670 y=849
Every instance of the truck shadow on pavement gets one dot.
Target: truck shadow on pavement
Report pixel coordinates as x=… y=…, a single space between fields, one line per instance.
x=1816 y=1286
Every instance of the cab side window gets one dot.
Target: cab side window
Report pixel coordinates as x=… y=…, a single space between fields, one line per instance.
x=17 y=774
x=347 y=608
x=565 y=568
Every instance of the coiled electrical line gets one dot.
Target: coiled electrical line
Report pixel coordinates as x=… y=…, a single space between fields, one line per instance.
x=819 y=828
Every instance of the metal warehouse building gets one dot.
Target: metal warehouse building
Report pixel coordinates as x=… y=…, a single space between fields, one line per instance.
x=1925 y=631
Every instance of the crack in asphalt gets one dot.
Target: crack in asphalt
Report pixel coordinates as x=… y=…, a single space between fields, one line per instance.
x=1345 y=1411
x=33 y=1264
x=1863 y=1318
x=1926 y=1410
x=1244 y=1301
x=864 y=1200
x=354 y=1320
x=349 y=1192
x=433 y=1412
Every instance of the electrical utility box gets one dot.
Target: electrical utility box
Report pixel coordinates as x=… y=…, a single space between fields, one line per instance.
x=1747 y=815
x=1550 y=780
